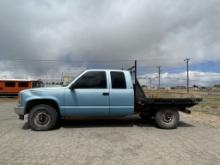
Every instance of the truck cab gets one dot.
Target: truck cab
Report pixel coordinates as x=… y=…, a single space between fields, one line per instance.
x=99 y=93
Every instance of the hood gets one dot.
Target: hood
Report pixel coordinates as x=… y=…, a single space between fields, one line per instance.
x=43 y=90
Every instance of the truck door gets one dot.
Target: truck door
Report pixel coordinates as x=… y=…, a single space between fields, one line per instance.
x=88 y=96
x=121 y=94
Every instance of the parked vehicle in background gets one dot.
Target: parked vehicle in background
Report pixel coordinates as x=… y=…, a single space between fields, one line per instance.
x=11 y=87
x=99 y=93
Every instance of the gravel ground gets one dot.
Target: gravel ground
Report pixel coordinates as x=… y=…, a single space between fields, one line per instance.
x=127 y=141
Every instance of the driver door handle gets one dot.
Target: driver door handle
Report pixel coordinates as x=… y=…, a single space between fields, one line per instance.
x=105 y=94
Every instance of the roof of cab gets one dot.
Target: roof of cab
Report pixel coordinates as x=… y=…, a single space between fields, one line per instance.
x=116 y=70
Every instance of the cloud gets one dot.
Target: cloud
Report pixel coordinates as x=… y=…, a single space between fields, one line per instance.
x=179 y=79
x=154 y=32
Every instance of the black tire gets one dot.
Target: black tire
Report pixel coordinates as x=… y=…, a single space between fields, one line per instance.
x=42 y=117
x=167 y=118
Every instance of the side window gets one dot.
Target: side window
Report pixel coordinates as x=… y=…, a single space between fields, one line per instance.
x=118 y=80
x=23 y=84
x=9 y=84
x=92 y=79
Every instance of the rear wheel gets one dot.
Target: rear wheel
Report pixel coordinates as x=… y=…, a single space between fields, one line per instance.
x=42 y=117
x=167 y=118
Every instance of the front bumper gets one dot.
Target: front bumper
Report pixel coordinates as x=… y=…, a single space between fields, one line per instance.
x=19 y=110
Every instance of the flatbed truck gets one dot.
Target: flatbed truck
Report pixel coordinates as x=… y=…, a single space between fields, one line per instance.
x=99 y=93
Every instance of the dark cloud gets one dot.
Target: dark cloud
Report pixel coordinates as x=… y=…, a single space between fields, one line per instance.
x=155 y=32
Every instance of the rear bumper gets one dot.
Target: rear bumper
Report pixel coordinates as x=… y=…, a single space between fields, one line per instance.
x=19 y=110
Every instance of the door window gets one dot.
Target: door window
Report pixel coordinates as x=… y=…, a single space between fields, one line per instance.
x=118 y=80
x=92 y=79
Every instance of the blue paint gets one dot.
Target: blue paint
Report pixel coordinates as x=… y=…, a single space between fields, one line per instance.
x=86 y=102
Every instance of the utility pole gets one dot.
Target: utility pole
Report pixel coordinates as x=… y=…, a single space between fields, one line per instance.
x=61 y=82
x=159 y=72
x=150 y=81
x=146 y=81
x=187 y=68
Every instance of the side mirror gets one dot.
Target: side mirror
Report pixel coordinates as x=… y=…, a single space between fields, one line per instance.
x=72 y=88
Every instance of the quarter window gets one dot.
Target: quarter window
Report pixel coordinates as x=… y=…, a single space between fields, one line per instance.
x=92 y=79
x=118 y=80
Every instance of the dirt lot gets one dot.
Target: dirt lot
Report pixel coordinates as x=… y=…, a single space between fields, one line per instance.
x=127 y=141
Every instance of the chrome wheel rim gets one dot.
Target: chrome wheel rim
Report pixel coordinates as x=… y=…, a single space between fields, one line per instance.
x=167 y=117
x=42 y=119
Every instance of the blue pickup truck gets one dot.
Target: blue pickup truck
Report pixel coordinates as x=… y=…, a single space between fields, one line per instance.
x=99 y=93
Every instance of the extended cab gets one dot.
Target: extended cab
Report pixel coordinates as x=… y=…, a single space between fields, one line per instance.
x=98 y=93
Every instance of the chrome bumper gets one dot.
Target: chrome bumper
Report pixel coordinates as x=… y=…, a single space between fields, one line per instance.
x=20 y=112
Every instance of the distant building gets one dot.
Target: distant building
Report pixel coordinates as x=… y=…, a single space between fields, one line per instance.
x=178 y=87
x=11 y=87
x=217 y=86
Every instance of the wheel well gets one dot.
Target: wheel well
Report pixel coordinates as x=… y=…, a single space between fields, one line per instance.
x=50 y=102
x=174 y=108
x=154 y=109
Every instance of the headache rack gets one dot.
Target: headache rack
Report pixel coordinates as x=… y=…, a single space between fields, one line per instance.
x=139 y=94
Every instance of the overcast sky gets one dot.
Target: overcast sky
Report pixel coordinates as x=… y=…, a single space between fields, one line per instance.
x=156 y=32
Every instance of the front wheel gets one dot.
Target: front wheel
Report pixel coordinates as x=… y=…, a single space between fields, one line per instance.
x=42 y=117
x=167 y=118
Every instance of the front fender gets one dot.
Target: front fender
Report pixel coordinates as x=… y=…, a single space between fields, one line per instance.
x=52 y=94
x=40 y=100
